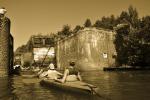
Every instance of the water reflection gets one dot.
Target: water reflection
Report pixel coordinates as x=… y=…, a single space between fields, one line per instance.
x=113 y=85
x=132 y=85
x=6 y=89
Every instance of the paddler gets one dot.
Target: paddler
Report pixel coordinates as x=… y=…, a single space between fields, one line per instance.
x=70 y=74
x=50 y=73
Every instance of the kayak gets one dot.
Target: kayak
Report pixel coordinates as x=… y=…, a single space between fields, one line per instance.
x=31 y=80
x=76 y=86
x=29 y=76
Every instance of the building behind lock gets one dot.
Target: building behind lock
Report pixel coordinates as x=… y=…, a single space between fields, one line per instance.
x=39 y=51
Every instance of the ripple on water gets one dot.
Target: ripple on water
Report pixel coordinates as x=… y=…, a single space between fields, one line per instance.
x=113 y=85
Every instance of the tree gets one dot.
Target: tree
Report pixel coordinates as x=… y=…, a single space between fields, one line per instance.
x=77 y=28
x=21 y=49
x=106 y=22
x=124 y=17
x=130 y=17
x=143 y=35
x=121 y=43
x=88 y=23
x=133 y=15
x=66 y=30
x=98 y=24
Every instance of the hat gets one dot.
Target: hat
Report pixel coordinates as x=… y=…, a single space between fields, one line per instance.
x=2 y=10
x=51 y=66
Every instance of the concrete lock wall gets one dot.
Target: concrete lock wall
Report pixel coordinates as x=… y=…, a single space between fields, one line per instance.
x=4 y=45
x=90 y=48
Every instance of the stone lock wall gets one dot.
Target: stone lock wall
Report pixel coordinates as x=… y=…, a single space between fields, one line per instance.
x=5 y=50
x=90 y=48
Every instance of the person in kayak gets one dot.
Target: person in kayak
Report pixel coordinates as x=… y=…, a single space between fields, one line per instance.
x=50 y=73
x=70 y=74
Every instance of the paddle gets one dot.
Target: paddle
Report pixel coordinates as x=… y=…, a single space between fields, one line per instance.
x=45 y=57
x=94 y=92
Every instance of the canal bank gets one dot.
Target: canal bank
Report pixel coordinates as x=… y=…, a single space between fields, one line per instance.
x=126 y=68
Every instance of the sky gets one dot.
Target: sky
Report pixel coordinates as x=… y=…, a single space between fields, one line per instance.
x=30 y=17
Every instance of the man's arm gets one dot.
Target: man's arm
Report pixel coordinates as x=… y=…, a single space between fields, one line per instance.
x=65 y=75
x=79 y=77
x=66 y=72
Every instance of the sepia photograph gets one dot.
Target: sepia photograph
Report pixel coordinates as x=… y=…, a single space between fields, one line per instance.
x=74 y=49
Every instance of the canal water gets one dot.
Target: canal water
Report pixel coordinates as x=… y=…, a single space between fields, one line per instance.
x=134 y=85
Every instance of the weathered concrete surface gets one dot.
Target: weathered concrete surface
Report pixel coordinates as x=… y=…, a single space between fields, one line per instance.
x=5 y=50
x=90 y=48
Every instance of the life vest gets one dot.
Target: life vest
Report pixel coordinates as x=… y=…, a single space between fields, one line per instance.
x=72 y=71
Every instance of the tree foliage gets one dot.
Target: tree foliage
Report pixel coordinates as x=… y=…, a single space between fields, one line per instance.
x=66 y=31
x=106 y=22
x=21 y=49
x=77 y=28
x=133 y=36
x=88 y=23
x=133 y=47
